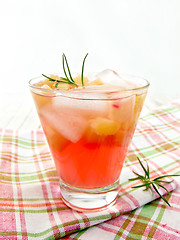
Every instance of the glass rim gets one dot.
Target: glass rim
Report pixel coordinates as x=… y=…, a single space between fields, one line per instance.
x=67 y=93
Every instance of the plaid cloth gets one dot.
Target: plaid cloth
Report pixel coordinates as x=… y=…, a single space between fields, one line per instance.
x=30 y=199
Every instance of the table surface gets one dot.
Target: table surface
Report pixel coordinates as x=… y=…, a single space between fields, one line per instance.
x=17 y=110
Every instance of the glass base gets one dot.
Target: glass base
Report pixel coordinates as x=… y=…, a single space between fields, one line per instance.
x=89 y=199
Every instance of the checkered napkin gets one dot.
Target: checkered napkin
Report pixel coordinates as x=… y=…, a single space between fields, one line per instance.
x=30 y=199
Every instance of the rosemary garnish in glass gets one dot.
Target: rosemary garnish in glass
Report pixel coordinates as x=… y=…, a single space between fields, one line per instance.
x=151 y=184
x=67 y=79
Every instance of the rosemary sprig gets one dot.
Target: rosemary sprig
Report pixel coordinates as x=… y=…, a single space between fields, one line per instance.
x=67 y=79
x=151 y=184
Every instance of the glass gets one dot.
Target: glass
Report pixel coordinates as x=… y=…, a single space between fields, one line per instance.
x=88 y=133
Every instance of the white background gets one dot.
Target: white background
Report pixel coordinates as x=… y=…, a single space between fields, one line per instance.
x=140 y=37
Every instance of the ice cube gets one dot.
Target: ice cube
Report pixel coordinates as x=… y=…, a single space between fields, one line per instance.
x=111 y=77
x=122 y=110
x=88 y=108
x=69 y=124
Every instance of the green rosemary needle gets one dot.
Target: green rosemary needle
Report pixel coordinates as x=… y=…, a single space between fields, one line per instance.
x=70 y=77
x=82 y=80
x=151 y=184
x=58 y=81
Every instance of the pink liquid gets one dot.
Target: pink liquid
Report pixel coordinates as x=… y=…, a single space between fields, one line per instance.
x=94 y=160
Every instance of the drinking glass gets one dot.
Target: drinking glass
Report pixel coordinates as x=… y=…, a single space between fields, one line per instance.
x=88 y=132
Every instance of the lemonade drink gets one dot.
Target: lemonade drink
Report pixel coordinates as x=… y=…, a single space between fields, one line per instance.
x=88 y=129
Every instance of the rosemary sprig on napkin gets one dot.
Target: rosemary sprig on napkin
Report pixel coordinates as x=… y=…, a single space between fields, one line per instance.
x=151 y=183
